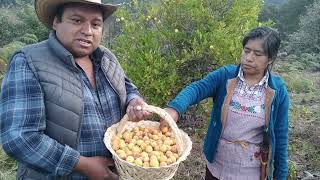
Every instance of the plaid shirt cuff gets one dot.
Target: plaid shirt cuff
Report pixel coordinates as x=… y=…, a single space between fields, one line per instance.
x=67 y=162
x=132 y=96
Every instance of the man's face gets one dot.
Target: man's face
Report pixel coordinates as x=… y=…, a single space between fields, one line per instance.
x=80 y=29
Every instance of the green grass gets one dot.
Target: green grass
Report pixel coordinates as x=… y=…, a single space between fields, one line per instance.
x=8 y=166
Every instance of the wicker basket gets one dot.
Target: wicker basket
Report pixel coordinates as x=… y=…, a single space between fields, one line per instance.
x=129 y=171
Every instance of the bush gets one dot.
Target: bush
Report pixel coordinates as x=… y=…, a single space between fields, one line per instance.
x=8 y=166
x=7 y=51
x=28 y=39
x=293 y=170
x=9 y=25
x=3 y=67
x=298 y=83
x=164 y=45
x=19 y=21
x=304 y=61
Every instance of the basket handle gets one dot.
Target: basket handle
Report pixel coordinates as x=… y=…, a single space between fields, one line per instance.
x=164 y=115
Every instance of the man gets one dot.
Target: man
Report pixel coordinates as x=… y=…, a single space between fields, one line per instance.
x=59 y=96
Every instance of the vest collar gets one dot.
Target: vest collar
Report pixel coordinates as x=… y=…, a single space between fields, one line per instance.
x=61 y=52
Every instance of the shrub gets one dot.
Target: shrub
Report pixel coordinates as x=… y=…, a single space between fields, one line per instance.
x=7 y=51
x=164 y=45
x=298 y=83
x=293 y=170
x=28 y=39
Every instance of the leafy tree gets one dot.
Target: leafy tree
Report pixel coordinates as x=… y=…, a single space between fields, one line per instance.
x=14 y=3
x=16 y=22
x=307 y=38
x=8 y=25
x=3 y=67
x=289 y=14
x=269 y=13
x=163 y=45
x=274 y=2
x=7 y=51
x=286 y=16
x=30 y=23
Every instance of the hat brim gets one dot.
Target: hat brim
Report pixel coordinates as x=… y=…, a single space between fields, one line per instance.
x=46 y=9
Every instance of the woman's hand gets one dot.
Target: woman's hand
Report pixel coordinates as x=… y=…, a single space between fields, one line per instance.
x=135 y=110
x=173 y=113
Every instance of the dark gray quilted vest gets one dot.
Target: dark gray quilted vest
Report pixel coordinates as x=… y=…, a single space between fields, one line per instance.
x=60 y=81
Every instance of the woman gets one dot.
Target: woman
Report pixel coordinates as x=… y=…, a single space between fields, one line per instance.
x=248 y=133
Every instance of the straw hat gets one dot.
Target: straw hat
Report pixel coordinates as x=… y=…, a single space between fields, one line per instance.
x=46 y=9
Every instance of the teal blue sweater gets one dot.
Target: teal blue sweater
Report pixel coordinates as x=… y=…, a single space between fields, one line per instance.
x=215 y=85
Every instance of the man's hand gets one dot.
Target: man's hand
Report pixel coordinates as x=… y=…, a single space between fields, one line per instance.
x=96 y=168
x=135 y=110
x=173 y=113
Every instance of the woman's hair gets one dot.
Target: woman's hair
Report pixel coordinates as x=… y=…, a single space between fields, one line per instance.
x=270 y=37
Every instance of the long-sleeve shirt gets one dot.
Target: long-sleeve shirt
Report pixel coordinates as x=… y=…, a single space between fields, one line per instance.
x=216 y=85
x=23 y=121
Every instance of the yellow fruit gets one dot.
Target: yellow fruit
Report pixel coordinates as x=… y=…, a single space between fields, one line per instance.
x=129 y=153
x=173 y=159
x=127 y=140
x=149 y=149
x=155 y=137
x=145 y=159
x=138 y=162
x=152 y=157
x=169 y=161
x=115 y=146
x=126 y=135
x=163 y=164
x=163 y=158
x=174 y=149
x=168 y=134
x=139 y=142
x=154 y=163
x=130 y=159
x=130 y=146
x=119 y=136
x=146 y=164
x=169 y=153
x=120 y=151
x=153 y=143
x=136 y=149
x=147 y=142
x=167 y=142
x=122 y=155
x=163 y=148
x=145 y=138
x=122 y=145
x=156 y=148
x=136 y=129
x=143 y=147
x=133 y=141
x=174 y=141
x=165 y=130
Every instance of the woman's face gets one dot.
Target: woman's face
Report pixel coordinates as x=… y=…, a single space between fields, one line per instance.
x=254 y=61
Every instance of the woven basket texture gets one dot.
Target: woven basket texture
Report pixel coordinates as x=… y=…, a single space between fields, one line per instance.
x=130 y=171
